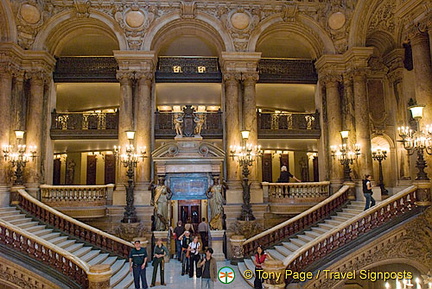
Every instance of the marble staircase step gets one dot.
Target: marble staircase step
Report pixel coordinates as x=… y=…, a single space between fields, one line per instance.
x=305 y=238
x=283 y=250
x=98 y=259
x=242 y=268
x=42 y=232
x=90 y=255
x=314 y=233
x=50 y=236
x=298 y=242
x=275 y=254
x=290 y=246
x=81 y=251
x=58 y=240
x=119 y=276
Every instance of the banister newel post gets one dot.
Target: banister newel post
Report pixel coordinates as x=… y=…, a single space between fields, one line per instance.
x=99 y=276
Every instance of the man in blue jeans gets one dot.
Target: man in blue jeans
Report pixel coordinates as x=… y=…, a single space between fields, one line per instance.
x=137 y=262
x=367 y=191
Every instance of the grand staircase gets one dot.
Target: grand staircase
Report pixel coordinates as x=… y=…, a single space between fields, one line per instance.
x=86 y=252
x=291 y=245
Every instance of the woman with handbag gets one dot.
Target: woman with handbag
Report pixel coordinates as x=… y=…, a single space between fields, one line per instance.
x=159 y=252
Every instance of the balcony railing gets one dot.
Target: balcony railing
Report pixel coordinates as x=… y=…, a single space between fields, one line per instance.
x=299 y=223
x=288 y=125
x=278 y=70
x=78 y=201
x=291 y=192
x=165 y=126
x=91 y=125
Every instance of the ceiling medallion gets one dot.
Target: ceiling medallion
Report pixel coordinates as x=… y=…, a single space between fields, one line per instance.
x=337 y=20
x=240 y=20
x=30 y=13
x=135 y=19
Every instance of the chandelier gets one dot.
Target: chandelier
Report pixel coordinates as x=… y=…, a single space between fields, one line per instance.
x=345 y=154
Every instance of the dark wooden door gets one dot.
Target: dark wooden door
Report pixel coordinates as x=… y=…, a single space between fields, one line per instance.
x=190 y=212
x=57 y=172
x=315 y=169
x=267 y=168
x=110 y=169
x=91 y=170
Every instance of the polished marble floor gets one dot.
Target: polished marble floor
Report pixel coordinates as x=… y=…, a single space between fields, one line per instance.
x=175 y=280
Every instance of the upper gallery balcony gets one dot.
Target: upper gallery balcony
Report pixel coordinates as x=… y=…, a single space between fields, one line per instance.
x=87 y=125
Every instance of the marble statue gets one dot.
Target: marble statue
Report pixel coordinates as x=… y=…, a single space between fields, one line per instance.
x=161 y=197
x=216 y=202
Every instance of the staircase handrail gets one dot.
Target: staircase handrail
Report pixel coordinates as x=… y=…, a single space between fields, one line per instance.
x=299 y=184
x=338 y=236
x=297 y=223
x=53 y=256
x=78 y=229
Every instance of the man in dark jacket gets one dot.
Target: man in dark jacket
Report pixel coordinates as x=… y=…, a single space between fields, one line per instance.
x=138 y=261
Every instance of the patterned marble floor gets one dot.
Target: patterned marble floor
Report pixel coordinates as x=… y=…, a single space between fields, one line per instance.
x=175 y=280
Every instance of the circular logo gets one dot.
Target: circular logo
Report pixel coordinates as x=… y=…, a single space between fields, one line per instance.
x=226 y=275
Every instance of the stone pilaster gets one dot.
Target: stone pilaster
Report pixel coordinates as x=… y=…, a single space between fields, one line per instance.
x=423 y=71
x=126 y=105
x=334 y=122
x=250 y=115
x=232 y=123
x=362 y=125
x=143 y=136
x=5 y=124
x=34 y=129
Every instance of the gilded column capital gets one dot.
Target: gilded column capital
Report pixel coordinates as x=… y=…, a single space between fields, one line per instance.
x=358 y=73
x=417 y=33
x=38 y=76
x=143 y=75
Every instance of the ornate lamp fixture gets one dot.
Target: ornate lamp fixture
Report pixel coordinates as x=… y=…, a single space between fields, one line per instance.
x=18 y=156
x=419 y=141
x=379 y=155
x=130 y=160
x=245 y=155
x=345 y=154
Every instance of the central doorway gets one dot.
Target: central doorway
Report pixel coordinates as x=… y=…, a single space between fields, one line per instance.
x=190 y=211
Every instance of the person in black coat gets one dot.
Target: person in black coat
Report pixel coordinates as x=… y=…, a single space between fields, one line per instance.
x=285 y=176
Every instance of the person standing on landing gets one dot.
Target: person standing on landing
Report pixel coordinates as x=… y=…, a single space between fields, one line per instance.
x=138 y=262
x=159 y=252
x=367 y=191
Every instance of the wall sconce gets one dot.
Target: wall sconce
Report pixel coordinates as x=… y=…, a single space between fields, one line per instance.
x=245 y=134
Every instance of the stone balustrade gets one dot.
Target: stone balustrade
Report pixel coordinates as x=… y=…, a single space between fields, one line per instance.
x=72 y=199
x=37 y=248
x=288 y=192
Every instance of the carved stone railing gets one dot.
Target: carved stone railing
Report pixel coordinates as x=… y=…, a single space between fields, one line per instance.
x=350 y=230
x=288 y=192
x=299 y=223
x=288 y=125
x=73 y=227
x=165 y=126
x=42 y=251
x=278 y=70
x=91 y=125
x=78 y=201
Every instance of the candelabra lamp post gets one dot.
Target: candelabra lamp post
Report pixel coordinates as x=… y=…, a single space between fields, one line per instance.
x=129 y=160
x=19 y=156
x=419 y=141
x=245 y=155
x=379 y=155
x=345 y=155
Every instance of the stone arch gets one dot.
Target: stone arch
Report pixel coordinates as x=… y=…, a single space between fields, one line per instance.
x=172 y=25
x=382 y=41
x=362 y=17
x=65 y=25
x=304 y=27
x=8 y=31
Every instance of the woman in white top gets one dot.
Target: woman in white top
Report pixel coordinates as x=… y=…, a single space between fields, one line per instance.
x=194 y=249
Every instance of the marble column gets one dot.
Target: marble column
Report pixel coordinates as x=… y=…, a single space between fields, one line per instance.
x=232 y=125
x=143 y=135
x=34 y=130
x=5 y=104
x=423 y=72
x=334 y=123
x=125 y=123
x=250 y=115
x=361 y=109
